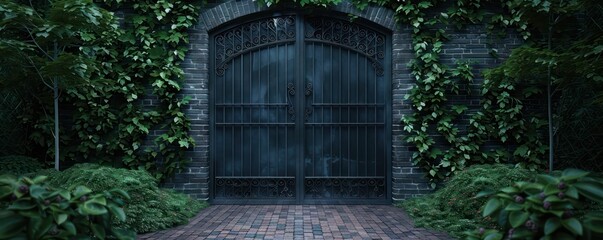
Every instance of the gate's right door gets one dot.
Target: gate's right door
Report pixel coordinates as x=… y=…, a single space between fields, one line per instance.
x=345 y=115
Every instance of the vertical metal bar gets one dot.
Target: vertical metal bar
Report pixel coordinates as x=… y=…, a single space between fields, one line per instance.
x=300 y=107
x=330 y=112
x=365 y=113
x=313 y=127
x=250 y=108
x=276 y=109
x=260 y=108
x=230 y=111
x=241 y=159
x=287 y=116
x=269 y=156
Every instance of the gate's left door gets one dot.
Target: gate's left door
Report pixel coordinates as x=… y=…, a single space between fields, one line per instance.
x=254 y=146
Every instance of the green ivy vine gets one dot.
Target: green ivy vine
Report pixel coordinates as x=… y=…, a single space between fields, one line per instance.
x=128 y=112
x=145 y=66
x=501 y=117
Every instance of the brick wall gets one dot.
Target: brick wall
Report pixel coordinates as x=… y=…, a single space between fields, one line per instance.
x=407 y=180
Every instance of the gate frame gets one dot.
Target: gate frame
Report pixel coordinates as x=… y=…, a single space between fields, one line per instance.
x=300 y=16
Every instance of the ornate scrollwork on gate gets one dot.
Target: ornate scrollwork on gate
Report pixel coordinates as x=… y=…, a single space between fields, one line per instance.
x=349 y=35
x=237 y=188
x=333 y=187
x=246 y=37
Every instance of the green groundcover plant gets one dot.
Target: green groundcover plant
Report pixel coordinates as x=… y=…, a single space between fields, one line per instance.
x=453 y=207
x=149 y=208
x=19 y=165
x=552 y=207
x=33 y=210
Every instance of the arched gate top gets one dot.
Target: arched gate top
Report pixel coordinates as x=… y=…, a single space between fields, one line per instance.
x=241 y=38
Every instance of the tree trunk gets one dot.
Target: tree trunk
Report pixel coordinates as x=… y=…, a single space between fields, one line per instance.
x=56 y=113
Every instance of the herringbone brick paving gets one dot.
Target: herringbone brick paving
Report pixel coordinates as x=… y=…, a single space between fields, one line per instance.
x=299 y=222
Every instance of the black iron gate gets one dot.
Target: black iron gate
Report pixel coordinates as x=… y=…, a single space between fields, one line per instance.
x=300 y=111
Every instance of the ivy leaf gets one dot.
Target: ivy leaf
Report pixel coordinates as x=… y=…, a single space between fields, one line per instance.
x=130 y=128
x=424 y=4
x=183 y=143
x=459 y=108
x=521 y=151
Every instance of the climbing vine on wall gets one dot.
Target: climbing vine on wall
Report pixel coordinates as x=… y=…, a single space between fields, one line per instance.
x=144 y=67
x=501 y=117
x=129 y=113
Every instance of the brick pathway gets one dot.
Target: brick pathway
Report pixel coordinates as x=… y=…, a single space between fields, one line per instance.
x=299 y=222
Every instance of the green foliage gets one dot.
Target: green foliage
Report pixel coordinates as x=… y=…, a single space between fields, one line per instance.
x=45 y=42
x=454 y=208
x=148 y=54
x=549 y=208
x=149 y=208
x=504 y=91
x=36 y=211
x=19 y=165
x=105 y=72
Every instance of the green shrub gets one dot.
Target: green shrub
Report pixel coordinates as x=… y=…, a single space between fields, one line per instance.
x=454 y=208
x=19 y=165
x=36 y=211
x=149 y=208
x=552 y=207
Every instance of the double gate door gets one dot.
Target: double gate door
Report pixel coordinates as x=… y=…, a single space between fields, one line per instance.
x=299 y=111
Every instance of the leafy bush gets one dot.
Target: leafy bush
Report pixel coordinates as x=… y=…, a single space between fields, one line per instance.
x=552 y=207
x=453 y=208
x=19 y=165
x=36 y=211
x=149 y=207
